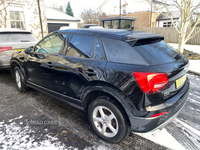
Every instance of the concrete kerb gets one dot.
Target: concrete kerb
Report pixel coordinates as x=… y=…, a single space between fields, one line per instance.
x=196 y=73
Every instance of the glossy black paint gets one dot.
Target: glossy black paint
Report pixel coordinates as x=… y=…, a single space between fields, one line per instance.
x=72 y=79
x=73 y=73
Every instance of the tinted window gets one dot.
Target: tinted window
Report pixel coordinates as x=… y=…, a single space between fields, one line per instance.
x=155 y=52
x=81 y=46
x=51 y=44
x=98 y=50
x=16 y=37
x=122 y=52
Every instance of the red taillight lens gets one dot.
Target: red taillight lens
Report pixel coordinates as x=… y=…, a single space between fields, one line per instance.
x=151 y=82
x=159 y=114
x=5 y=48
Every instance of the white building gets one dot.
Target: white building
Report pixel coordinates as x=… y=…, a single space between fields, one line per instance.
x=24 y=14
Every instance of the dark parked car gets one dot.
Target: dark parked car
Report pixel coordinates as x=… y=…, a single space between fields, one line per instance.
x=12 y=40
x=125 y=80
x=89 y=25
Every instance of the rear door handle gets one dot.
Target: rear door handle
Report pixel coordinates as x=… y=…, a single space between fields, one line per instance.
x=90 y=72
x=49 y=64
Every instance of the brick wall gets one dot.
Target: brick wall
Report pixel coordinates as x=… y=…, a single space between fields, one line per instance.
x=143 y=18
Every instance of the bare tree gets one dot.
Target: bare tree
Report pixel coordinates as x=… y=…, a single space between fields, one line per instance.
x=4 y=4
x=91 y=16
x=188 y=22
x=3 y=12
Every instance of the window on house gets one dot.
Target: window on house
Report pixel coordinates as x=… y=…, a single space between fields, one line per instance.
x=17 y=20
x=115 y=24
x=168 y=24
x=153 y=24
x=124 y=9
x=106 y=24
x=125 y=24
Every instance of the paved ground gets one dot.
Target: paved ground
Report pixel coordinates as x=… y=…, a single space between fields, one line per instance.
x=185 y=129
x=33 y=120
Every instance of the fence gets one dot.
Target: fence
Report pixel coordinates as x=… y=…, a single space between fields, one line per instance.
x=170 y=33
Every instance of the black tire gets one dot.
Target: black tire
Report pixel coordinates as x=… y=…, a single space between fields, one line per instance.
x=123 y=129
x=19 y=77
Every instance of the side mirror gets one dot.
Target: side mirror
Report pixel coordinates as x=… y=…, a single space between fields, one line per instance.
x=28 y=50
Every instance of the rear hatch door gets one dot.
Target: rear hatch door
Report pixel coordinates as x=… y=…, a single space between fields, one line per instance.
x=11 y=42
x=164 y=59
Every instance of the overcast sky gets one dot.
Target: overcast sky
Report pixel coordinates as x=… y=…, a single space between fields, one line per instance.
x=77 y=5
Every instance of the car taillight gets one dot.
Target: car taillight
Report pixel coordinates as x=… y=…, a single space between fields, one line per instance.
x=151 y=82
x=5 y=48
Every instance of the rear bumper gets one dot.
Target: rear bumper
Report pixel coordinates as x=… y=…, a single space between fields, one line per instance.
x=142 y=125
x=5 y=62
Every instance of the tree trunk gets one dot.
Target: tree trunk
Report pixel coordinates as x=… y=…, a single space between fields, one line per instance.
x=181 y=43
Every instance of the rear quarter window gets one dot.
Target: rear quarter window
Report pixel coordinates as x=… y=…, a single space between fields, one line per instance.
x=121 y=52
x=17 y=37
x=155 y=52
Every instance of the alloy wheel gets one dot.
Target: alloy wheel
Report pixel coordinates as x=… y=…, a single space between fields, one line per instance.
x=18 y=79
x=105 y=121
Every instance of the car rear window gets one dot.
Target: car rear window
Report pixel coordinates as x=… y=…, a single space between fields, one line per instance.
x=155 y=51
x=17 y=37
x=122 y=52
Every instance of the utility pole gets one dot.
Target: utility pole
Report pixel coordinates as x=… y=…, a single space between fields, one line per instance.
x=151 y=12
x=120 y=7
x=38 y=1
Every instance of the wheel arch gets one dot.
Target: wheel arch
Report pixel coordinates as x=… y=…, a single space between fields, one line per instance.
x=93 y=91
x=13 y=64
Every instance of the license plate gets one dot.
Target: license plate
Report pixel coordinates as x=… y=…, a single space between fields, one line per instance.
x=19 y=50
x=180 y=81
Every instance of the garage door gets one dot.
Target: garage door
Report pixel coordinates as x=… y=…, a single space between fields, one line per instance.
x=56 y=26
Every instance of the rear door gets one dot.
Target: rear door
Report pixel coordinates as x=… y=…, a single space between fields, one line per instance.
x=83 y=62
x=40 y=66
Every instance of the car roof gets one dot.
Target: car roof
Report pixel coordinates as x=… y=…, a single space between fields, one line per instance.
x=13 y=30
x=118 y=34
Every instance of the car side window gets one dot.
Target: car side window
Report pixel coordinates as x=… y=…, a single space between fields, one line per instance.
x=51 y=44
x=81 y=46
x=121 y=52
x=99 y=50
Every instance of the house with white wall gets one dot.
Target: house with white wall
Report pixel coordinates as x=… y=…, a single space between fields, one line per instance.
x=164 y=21
x=24 y=14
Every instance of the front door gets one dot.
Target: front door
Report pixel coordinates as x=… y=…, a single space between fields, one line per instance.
x=40 y=65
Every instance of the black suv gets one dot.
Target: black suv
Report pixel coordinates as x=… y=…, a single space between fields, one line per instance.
x=124 y=80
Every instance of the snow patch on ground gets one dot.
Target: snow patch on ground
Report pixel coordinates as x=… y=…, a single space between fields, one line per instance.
x=194 y=48
x=11 y=120
x=193 y=101
x=188 y=127
x=162 y=137
x=194 y=65
x=16 y=137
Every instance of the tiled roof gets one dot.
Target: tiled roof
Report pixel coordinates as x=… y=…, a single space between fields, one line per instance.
x=175 y=15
